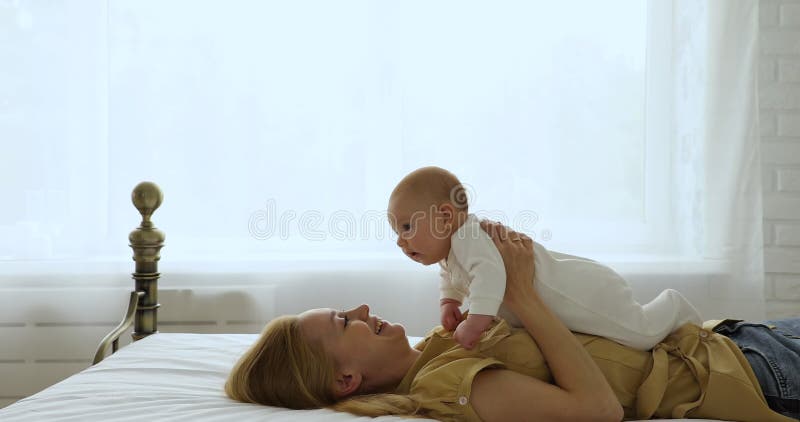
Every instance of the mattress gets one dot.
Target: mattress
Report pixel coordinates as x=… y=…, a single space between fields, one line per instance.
x=170 y=377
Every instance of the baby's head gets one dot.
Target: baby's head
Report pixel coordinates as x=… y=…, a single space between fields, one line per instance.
x=425 y=209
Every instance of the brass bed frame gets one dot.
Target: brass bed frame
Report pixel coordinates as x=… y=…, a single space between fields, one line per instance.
x=146 y=242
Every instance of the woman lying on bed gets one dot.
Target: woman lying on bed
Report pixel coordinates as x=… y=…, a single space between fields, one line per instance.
x=353 y=361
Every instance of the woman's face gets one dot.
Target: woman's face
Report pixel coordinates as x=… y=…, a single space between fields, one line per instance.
x=356 y=338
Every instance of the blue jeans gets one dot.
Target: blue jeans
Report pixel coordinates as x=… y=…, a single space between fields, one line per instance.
x=773 y=350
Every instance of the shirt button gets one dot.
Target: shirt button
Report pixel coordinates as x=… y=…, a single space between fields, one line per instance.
x=462 y=400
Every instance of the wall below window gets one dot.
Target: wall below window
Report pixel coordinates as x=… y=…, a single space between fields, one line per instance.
x=779 y=116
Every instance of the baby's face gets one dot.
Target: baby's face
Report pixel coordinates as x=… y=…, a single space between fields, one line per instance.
x=420 y=231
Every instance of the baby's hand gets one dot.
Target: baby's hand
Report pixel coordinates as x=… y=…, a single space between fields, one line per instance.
x=468 y=332
x=451 y=315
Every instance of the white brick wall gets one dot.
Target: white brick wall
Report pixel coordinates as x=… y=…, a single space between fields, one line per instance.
x=779 y=96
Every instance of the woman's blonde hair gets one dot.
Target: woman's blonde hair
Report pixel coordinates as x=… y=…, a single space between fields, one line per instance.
x=284 y=368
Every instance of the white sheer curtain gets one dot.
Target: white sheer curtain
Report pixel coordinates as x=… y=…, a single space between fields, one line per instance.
x=716 y=163
x=625 y=131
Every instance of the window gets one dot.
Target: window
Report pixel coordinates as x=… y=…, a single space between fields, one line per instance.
x=281 y=127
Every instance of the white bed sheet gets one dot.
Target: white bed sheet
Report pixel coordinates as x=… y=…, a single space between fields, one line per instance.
x=164 y=377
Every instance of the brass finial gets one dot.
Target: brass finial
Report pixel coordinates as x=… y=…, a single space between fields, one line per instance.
x=146 y=197
x=146 y=240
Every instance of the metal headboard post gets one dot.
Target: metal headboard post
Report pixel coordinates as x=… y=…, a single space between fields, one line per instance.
x=146 y=242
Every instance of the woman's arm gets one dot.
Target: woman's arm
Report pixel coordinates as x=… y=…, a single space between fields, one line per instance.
x=580 y=393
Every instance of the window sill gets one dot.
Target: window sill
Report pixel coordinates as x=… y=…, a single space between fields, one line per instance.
x=21 y=272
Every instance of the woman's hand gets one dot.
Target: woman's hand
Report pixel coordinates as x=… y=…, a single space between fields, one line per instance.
x=517 y=252
x=580 y=391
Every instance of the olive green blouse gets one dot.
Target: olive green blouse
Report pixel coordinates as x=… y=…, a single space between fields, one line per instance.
x=693 y=373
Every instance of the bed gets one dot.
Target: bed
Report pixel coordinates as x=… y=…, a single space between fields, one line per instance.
x=161 y=376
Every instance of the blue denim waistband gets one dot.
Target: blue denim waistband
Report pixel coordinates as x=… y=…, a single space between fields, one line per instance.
x=773 y=350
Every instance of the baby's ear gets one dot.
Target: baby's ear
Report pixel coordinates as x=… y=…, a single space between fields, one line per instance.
x=447 y=210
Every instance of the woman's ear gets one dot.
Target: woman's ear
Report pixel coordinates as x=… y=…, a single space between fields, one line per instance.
x=347 y=383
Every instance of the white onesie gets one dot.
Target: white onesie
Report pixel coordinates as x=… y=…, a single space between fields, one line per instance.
x=587 y=296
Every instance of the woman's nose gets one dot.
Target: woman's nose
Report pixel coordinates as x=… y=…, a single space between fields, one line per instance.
x=363 y=311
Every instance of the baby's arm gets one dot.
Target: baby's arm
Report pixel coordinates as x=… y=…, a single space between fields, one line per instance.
x=451 y=314
x=478 y=255
x=468 y=332
x=450 y=299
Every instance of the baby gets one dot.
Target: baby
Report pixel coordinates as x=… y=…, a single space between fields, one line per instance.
x=429 y=212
